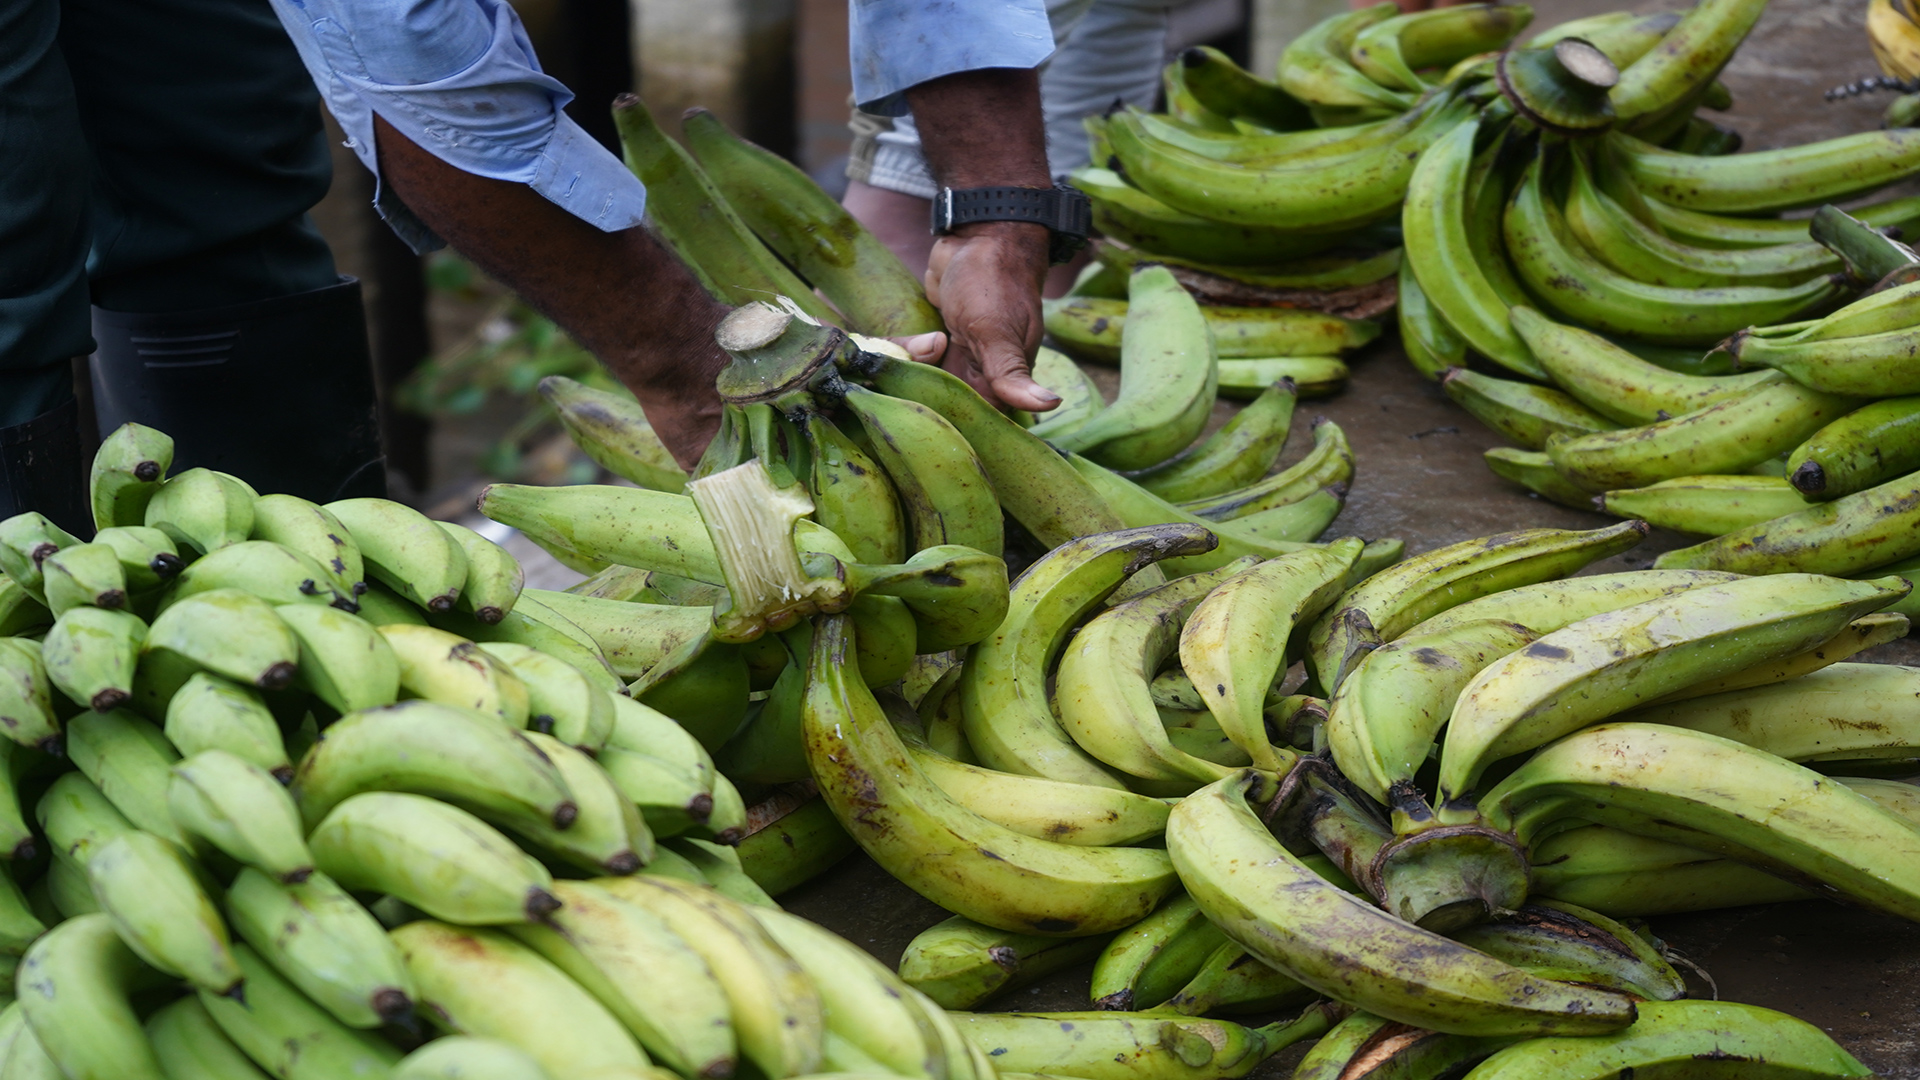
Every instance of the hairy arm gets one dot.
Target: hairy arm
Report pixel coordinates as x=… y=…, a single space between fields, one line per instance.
x=983 y=128
x=622 y=295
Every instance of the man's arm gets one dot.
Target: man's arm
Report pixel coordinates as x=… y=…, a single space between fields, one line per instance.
x=620 y=294
x=983 y=128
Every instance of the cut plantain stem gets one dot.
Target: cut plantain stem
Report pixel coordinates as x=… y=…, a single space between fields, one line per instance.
x=750 y=520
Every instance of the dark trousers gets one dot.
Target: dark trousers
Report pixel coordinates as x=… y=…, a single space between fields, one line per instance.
x=155 y=156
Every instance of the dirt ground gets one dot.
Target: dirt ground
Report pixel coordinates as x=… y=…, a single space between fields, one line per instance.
x=1420 y=477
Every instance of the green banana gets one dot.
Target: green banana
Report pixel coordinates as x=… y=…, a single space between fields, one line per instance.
x=313 y=531
x=959 y=963
x=381 y=606
x=1844 y=712
x=1148 y=962
x=1132 y=216
x=1331 y=194
x=127 y=469
x=608 y=834
x=1226 y=88
x=801 y=845
x=1240 y=453
x=1581 y=945
x=943 y=487
x=1872 y=365
x=1440 y=249
x=238 y=808
x=777 y=1011
x=1624 y=36
x=1871 y=445
x=1382 y=722
x=1709 y=1038
x=1328 y=464
x=1522 y=413
x=26 y=695
x=289 y=1036
x=16 y=840
x=276 y=574
x=1313 y=376
x=494 y=577
x=448 y=669
x=482 y=982
x=468 y=1057
x=1234 y=981
x=437 y=857
x=1642 y=252
x=25 y=542
x=131 y=762
x=1003 y=695
x=693 y=218
x=231 y=633
x=148 y=891
x=670 y=800
x=1079 y=397
x=90 y=655
x=1555 y=267
x=1757 y=808
x=1289 y=917
x=1734 y=232
x=1114 y=1046
x=321 y=940
x=1168 y=381
x=148 y=559
x=1689 y=57
x=1858 y=636
x=1731 y=435
x=424 y=747
x=1392 y=602
x=613 y=430
x=77 y=818
x=635 y=637
x=811 y=233
x=201 y=509
x=188 y=1044
x=1024 y=884
x=405 y=550
x=212 y=713
x=1601 y=665
x=83 y=575
x=344 y=661
x=1708 y=505
x=1315 y=68
x=1616 y=383
x=957 y=595
x=1093 y=328
x=1767 y=180
x=1534 y=470
x=656 y=984
x=20 y=612
x=1392 y=52
x=1041 y=492
x=1233 y=645
x=74 y=985
x=1063 y=812
x=1101 y=690
x=863 y=1002
x=851 y=494
x=1848 y=535
x=1549 y=605
x=561 y=701
x=1431 y=344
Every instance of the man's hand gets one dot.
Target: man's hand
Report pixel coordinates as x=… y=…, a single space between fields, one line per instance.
x=986 y=279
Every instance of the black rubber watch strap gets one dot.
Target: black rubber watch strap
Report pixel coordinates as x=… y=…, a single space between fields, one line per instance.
x=1064 y=211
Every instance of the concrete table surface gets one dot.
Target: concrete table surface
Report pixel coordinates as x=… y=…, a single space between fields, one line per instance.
x=1419 y=476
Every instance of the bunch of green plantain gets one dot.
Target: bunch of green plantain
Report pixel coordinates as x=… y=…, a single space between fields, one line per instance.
x=322 y=791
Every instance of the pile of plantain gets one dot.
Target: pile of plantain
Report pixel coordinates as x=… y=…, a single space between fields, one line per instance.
x=1424 y=800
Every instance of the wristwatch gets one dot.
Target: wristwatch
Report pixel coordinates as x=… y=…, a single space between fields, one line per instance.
x=1065 y=212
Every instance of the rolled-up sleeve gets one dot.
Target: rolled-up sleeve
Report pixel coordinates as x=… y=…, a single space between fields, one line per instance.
x=460 y=79
x=897 y=44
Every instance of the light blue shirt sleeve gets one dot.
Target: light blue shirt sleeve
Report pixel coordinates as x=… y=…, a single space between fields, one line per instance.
x=458 y=78
x=896 y=44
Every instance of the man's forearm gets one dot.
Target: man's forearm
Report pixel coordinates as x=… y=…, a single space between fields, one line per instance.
x=984 y=129
x=622 y=295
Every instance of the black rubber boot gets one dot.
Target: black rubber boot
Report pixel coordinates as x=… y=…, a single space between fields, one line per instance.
x=40 y=469
x=279 y=393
